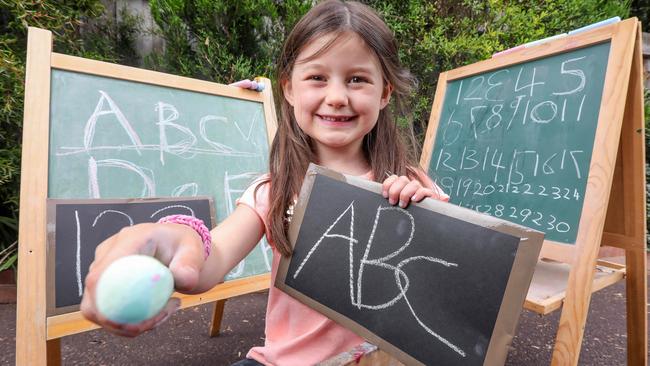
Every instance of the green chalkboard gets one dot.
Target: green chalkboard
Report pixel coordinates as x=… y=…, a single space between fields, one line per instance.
x=113 y=138
x=516 y=142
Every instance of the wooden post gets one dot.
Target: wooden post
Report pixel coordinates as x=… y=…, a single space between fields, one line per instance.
x=217 y=317
x=625 y=225
x=31 y=329
x=633 y=140
x=54 y=352
x=578 y=295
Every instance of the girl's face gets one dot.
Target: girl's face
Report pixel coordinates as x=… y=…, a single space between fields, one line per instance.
x=337 y=96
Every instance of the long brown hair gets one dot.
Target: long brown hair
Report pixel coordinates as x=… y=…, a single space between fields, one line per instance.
x=388 y=148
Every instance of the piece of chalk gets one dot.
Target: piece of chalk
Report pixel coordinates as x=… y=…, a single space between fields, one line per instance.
x=509 y=50
x=596 y=25
x=133 y=288
x=249 y=84
x=245 y=84
x=544 y=40
x=260 y=86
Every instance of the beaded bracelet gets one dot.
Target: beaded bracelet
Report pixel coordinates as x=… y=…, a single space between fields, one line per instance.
x=194 y=223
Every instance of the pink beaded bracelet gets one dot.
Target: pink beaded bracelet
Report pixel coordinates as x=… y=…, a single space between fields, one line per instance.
x=194 y=223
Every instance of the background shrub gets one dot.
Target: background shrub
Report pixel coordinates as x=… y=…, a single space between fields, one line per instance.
x=79 y=29
x=222 y=41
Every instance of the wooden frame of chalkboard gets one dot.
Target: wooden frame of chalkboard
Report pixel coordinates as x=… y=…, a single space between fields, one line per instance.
x=464 y=273
x=38 y=335
x=611 y=210
x=76 y=226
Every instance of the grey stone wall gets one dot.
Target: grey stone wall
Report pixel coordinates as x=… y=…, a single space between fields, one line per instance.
x=147 y=40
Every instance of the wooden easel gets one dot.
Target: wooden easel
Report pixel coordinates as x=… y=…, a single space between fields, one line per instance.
x=37 y=334
x=624 y=228
x=614 y=207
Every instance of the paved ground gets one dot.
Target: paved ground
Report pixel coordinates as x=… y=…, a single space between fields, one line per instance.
x=183 y=340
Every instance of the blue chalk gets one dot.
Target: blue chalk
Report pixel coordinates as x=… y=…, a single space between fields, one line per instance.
x=596 y=25
x=544 y=40
x=509 y=50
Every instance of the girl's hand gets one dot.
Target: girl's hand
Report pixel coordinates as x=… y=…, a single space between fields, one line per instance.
x=177 y=246
x=249 y=84
x=402 y=190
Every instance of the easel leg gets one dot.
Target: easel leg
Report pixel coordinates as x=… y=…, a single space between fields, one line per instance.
x=217 y=316
x=635 y=253
x=54 y=352
x=637 y=296
x=574 y=310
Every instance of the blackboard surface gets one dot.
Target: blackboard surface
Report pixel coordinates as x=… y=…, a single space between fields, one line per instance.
x=79 y=226
x=516 y=142
x=427 y=283
x=113 y=138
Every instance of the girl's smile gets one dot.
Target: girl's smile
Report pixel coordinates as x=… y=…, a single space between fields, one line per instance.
x=336 y=120
x=337 y=90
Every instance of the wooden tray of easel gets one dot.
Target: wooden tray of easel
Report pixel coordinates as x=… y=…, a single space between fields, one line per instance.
x=550 y=281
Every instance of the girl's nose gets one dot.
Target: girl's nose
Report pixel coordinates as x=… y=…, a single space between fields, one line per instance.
x=336 y=95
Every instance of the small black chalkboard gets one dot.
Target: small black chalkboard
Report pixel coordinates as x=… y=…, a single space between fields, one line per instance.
x=433 y=284
x=77 y=227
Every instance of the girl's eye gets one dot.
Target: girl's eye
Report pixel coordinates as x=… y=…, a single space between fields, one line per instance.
x=316 y=78
x=357 y=79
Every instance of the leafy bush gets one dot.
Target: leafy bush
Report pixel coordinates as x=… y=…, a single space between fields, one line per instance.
x=641 y=10
x=225 y=41
x=436 y=36
x=222 y=41
x=68 y=20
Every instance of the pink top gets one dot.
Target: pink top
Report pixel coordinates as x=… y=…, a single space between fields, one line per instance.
x=296 y=334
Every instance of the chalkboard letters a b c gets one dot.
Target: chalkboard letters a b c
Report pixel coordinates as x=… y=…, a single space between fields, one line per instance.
x=428 y=283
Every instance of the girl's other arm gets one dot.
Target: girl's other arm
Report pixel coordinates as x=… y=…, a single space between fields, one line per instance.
x=402 y=189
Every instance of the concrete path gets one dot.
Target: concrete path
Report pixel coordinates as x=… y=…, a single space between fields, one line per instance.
x=184 y=339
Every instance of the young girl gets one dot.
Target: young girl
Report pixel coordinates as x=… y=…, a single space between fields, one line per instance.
x=338 y=72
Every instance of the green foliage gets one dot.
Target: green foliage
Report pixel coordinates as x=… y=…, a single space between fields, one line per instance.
x=225 y=41
x=8 y=255
x=77 y=30
x=436 y=36
x=641 y=10
x=222 y=41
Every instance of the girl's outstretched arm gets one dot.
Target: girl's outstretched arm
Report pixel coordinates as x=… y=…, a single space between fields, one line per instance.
x=232 y=240
x=181 y=249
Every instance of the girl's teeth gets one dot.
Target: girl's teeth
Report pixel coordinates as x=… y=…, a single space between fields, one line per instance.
x=334 y=119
